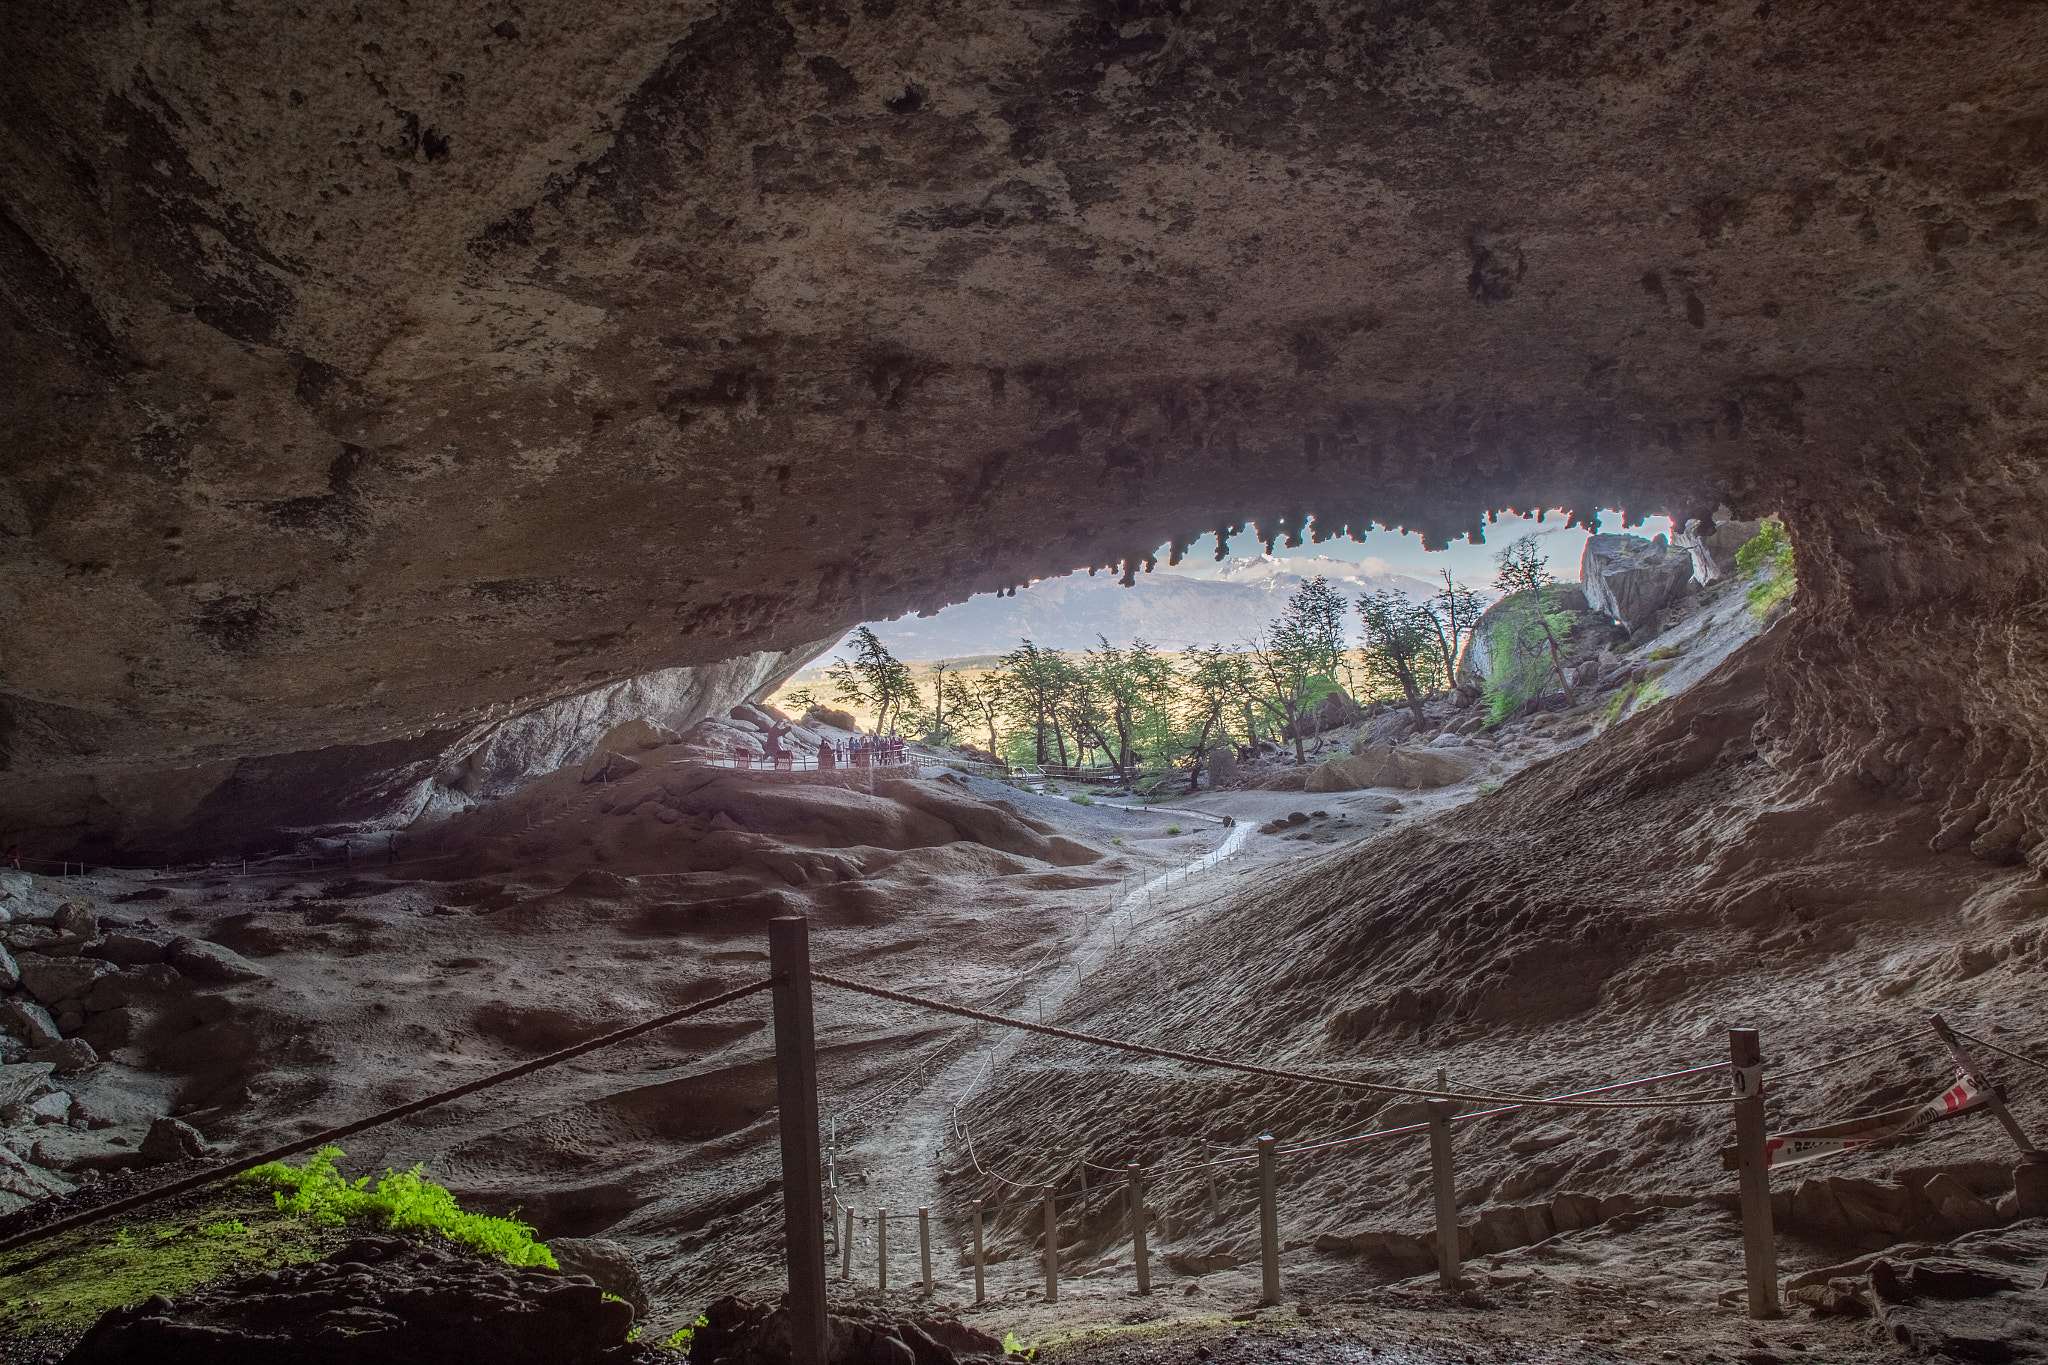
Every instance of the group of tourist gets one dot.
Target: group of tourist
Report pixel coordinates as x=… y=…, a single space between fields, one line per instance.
x=862 y=751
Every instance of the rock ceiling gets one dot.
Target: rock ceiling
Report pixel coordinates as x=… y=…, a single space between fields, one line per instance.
x=377 y=370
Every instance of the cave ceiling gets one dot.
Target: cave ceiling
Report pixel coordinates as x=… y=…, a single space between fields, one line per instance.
x=376 y=367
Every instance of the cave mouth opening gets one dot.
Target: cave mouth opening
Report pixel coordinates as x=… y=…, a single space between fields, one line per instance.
x=1160 y=617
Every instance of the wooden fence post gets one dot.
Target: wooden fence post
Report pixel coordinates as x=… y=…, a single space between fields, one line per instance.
x=1992 y=1099
x=924 y=1246
x=1759 y=1249
x=1269 y=1220
x=846 y=1249
x=1444 y=1178
x=1052 y=1246
x=980 y=1290
x=1138 y=1255
x=796 y=1093
x=882 y=1250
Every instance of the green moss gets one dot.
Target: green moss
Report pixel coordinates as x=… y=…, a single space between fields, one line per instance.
x=403 y=1201
x=66 y=1283
x=272 y=1216
x=1768 y=556
x=1666 y=652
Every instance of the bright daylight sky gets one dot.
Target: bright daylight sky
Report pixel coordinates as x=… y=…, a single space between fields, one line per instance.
x=1392 y=552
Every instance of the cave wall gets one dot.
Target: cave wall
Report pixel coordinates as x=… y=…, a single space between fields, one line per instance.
x=380 y=373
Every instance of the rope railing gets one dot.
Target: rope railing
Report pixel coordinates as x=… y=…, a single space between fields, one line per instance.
x=1247 y=1068
x=1753 y=1154
x=239 y=1165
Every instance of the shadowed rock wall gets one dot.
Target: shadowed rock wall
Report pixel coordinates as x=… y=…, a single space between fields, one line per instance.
x=380 y=372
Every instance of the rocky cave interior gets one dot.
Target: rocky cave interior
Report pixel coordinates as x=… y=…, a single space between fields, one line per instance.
x=408 y=402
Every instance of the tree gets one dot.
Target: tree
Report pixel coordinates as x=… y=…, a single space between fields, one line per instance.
x=800 y=699
x=1215 y=677
x=1521 y=569
x=981 y=699
x=875 y=679
x=939 y=675
x=1402 y=644
x=1035 y=681
x=1134 y=689
x=1454 y=612
x=1294 y=665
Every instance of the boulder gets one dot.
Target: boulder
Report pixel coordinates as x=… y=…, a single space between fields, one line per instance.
x=1201 y=1262
x=1410 y=768
x=66 y=1150
x=10 y=971
x=203 y=961
x=31 y=1021
x=1507 y=653
x=838 y=720
x=1331 y=713
x=19 y=1178
x=77 y=917
x=68 y=1055
x=387 y=1299
x=1222 y=767
x=172 y=1140
x=607 y=1264
x=1570 y=1212
x=23 y=1082
x=129 y=984
x=1630 y=579
x=52 y=979
x=127 y=948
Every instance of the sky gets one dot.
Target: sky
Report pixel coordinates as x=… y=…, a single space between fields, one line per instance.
x=1392 y=552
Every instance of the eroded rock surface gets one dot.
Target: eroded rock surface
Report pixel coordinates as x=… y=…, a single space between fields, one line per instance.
x=377 y=1301
x=378 y=380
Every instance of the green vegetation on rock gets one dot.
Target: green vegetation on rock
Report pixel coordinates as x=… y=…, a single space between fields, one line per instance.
x=1769 y=554
x=402 y=1201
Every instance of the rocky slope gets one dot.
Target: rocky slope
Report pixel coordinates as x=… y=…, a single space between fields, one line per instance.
x=380 y=374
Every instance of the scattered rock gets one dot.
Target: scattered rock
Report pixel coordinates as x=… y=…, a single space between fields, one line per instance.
x=378 y=1299
x=54 y=1107
x=203 y=961
x=24 y=1181
x=53 y=979
x=605 y=1262
x=739 y=1333
x=22 y=1083
x=67 y=1150
x=127 y=948
x=10 y=971
x=31 y=1021
x=68 y=1055
x=172 y=1140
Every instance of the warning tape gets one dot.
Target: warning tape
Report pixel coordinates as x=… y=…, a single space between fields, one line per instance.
x=1803 y=1145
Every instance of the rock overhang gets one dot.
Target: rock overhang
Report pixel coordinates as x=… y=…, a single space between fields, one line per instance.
x=385 y=376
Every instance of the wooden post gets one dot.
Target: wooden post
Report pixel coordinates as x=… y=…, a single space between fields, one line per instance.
x=796 y=1093
x=1052 y=1246
x=1138 y=1255
x=1444 y=1178
x=1992 y=1100
x=1215 y=1205
x=846 y=1249
x=1759 y=1249
x=882 y=1250
x=1269 y=1221
x=980 y=1290
x=924 y=1246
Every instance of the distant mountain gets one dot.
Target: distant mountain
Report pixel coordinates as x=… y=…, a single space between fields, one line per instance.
x=1224 y=604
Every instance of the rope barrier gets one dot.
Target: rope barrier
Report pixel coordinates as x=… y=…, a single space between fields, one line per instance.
x=1248 y=1068
x=2003 y=1052
x=1885 y=1046
x=228 y=1169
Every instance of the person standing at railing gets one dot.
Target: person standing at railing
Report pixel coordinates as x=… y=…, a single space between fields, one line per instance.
x=827 y=757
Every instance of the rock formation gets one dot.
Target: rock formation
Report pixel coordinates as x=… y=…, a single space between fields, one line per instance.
x=1629 y=578
x=376 y=378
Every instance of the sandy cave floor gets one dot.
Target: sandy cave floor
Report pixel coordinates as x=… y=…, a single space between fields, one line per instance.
x=381 y=986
